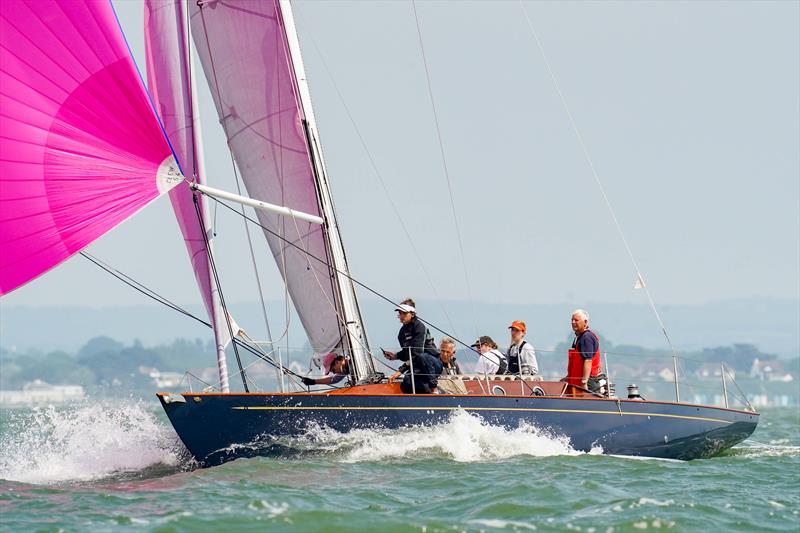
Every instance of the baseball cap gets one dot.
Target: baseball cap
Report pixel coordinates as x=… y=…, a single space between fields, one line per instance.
x=405 y=308
x=483 y=339
x=518 y=324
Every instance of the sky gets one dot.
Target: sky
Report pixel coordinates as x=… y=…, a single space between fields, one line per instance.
x=689 y=111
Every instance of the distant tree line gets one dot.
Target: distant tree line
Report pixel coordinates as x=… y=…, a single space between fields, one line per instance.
x=107 y=363
x=738 y=357
x=103 y=362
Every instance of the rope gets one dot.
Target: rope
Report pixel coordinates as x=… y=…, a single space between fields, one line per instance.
x=640 y=278
x=345 y=337
x=337 y=314
x=213 y=265
x=164 y=301
x=295 y=377
x=237 y=181
x=446 y=171
x=743 y=398
x=140 y=287
x=347 y=275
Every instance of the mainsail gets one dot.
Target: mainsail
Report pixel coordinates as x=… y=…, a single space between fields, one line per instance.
x=80 y=148
x=251 y=62
x=171 y=87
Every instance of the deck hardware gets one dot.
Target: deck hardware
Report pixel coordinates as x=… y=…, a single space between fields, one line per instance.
x=176 y=398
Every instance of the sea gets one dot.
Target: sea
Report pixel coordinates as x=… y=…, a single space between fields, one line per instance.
x=117 y=465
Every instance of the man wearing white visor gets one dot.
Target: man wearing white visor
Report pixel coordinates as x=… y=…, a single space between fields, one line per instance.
x=418 y=347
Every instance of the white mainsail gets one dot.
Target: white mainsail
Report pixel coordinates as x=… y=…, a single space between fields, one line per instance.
x=250 y=54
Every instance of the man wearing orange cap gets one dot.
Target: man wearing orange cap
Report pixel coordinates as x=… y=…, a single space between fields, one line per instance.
x=333 y=364
x=521 y=355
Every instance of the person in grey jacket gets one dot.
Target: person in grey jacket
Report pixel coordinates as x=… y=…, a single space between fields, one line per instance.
x=521 y=355
x=447 y=355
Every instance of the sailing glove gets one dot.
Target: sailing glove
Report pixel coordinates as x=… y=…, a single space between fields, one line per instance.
x=308 y=381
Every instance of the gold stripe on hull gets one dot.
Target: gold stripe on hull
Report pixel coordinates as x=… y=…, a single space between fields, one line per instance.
x=521 y=409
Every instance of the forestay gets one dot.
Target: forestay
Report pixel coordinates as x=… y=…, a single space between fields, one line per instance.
x=80 y=148
x=170 y=81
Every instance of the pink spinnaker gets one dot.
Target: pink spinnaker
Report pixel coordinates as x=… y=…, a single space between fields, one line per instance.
x=80 y=147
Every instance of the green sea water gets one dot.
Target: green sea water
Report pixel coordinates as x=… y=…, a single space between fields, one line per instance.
x=117 y=466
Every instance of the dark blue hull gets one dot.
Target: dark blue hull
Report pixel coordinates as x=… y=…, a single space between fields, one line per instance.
x=220 y=427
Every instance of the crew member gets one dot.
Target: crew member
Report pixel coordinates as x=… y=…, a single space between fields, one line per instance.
x=416 y=345
x=521 y=355
x=490 y=359
x=583 y=360
x=447 y=355
x=337 y=368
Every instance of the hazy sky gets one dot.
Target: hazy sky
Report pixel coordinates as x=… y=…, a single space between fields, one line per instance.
x=690 y=112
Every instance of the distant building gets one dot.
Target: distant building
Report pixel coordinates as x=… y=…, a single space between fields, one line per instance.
x=769 y=371
x=652 y=370
x=713 y=371
x=37 y=392
x=777 y=400
x=162 y=380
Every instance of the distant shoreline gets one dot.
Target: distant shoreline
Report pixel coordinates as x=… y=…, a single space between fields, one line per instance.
x=770 y=324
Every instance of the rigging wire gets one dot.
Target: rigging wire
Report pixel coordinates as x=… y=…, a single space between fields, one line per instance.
x=640 y=278
x=346 y=274
x=239 y=189
x=168 y=303
x=342 y=320
x=282 y=268
x=140 y=287
x=446 y=171
x=255 y=350
x=381 y=181
x=347 y=336
x=224 y=306
x=201 y=209
x=282 y=259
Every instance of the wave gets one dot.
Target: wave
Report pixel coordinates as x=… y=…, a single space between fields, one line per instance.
x=776 y=448
x=89 y=441
x=464 y=437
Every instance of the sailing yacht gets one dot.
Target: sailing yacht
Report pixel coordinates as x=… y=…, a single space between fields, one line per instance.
x=85 y=146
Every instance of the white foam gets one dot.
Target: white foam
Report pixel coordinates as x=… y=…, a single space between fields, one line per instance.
x=754 y=449
x=93 y=440
x=653 y=501
x=645 y=458
x=464 y=437
x=496 y=523
x=270 y=509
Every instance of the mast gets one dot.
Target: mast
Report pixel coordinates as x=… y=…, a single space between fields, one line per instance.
x=354 y=334
x=218 y=318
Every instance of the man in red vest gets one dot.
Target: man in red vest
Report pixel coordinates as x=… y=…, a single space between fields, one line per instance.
x=584 y=357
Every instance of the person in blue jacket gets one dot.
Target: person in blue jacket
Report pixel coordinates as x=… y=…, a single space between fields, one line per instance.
x=417 y=350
